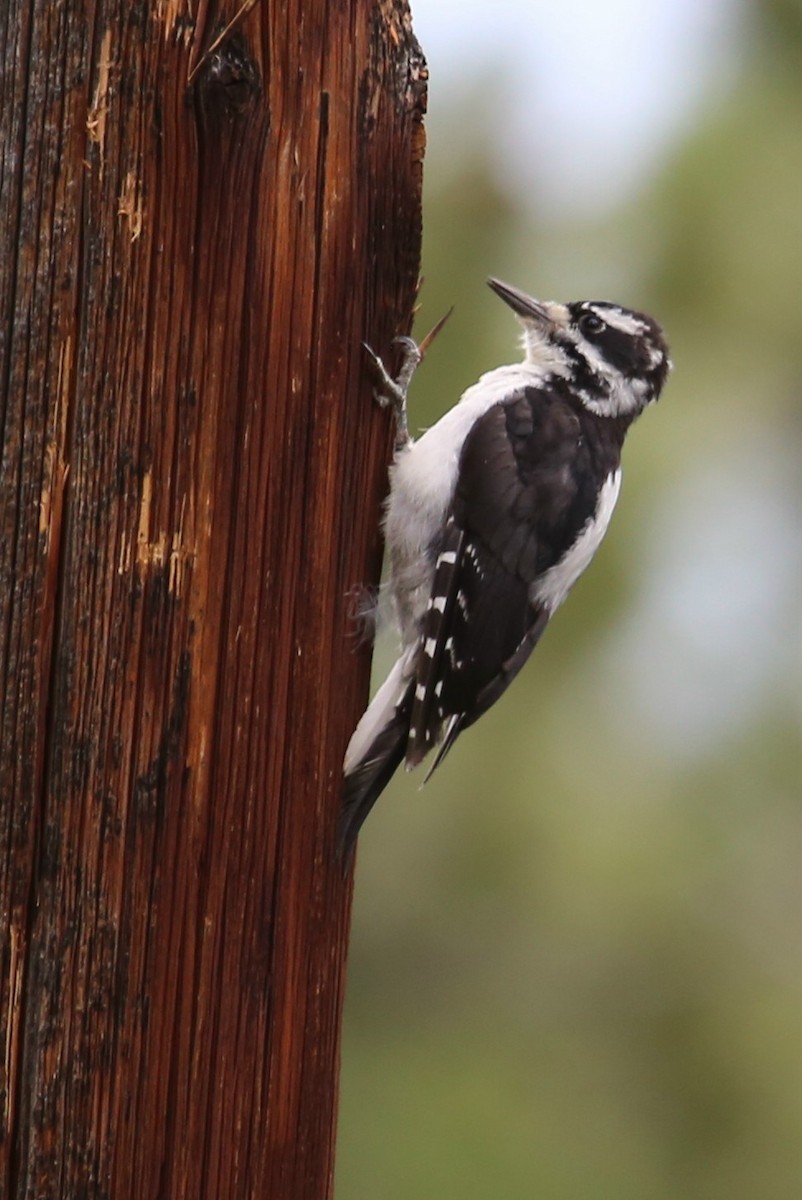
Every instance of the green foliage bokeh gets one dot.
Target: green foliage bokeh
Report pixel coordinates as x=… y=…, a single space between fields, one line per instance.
x=575 y=967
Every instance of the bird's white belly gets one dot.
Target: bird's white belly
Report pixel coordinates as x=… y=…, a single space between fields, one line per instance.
x=424 y=475
x=422 y=482
x=555 y=584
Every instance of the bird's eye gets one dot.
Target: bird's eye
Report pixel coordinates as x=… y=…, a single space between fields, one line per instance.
x=590 y=323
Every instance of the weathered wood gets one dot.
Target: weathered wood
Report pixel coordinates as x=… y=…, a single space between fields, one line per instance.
x=190 y=482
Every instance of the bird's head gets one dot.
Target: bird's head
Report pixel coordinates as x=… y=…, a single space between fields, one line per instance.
x=614 y=359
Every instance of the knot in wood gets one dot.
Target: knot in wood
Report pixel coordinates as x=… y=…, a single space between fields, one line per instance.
x=229 y=79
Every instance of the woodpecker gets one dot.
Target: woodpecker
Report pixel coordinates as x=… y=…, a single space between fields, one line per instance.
x=492 y=516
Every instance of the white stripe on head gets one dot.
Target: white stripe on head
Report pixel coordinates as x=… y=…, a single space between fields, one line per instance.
x=624 y=396
x=624 y=322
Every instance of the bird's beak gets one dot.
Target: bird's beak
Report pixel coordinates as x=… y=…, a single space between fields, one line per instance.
x=521 y=304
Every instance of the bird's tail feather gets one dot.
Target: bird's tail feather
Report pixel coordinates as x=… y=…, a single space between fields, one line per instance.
x=375 y=751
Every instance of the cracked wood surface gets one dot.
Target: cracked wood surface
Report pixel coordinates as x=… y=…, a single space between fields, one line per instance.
x=190 y=482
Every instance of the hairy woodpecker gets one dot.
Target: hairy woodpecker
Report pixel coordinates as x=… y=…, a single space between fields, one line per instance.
x=492 y=516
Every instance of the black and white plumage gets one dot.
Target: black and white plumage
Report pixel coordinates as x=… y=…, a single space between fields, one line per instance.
x=492 y=516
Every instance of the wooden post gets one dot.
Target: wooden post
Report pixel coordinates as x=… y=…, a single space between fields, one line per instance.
x=205 y=207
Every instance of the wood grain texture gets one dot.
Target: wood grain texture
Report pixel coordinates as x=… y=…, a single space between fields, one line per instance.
x=190 y=483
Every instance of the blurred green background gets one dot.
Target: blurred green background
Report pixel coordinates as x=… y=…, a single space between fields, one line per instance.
x=576 y=961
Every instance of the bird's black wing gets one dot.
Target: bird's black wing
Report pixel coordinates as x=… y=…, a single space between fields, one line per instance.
x=526 y=486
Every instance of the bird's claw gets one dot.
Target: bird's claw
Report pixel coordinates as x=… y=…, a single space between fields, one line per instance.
x=391 y=392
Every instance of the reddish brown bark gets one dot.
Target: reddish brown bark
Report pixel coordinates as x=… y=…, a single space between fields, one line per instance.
x=190 y=481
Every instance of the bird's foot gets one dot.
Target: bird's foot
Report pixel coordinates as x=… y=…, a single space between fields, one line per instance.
x=391 y=391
